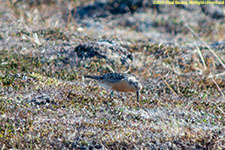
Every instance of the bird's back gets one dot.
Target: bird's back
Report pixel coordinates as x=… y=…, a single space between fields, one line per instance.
x=109 y=77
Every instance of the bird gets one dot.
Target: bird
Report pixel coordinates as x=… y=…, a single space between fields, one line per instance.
x=121 y=82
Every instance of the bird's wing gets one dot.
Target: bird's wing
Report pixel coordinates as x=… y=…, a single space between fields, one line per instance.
x=93 y=77
x=111 y=80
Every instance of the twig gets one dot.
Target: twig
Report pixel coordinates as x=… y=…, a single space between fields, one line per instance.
x=196 y=35
x=220 y=93
x=147 y=67
x=168 y=84
x=218 y=108
x=128 y=69
x=220 y=74
x=217 y=86
x=68 y=19
x=201 y=56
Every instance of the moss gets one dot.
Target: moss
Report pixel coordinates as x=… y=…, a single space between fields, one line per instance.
x=14 y=63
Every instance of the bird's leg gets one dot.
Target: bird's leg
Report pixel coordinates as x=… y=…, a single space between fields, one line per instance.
x=121 y=96
x=137 y=96
x=111 y=95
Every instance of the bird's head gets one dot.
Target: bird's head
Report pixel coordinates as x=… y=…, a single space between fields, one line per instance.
x=135 y=83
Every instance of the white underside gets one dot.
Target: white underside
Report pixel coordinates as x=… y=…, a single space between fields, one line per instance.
x=105 y=86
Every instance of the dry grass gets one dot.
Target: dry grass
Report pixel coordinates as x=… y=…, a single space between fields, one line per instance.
x=46 y=103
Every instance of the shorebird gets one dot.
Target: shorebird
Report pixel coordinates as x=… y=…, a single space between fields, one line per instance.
x=120 y=82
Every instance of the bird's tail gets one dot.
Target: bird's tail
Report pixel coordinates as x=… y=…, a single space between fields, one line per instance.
x=93 y=77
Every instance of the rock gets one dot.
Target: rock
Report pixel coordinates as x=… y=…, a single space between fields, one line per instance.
x=41 y=100
x=213 y=11
x=106 y=8
x=105 y=49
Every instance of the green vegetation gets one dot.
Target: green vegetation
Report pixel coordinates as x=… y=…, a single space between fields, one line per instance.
x=45 y=103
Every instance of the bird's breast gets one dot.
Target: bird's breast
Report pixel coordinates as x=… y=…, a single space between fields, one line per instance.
x=122 y=86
